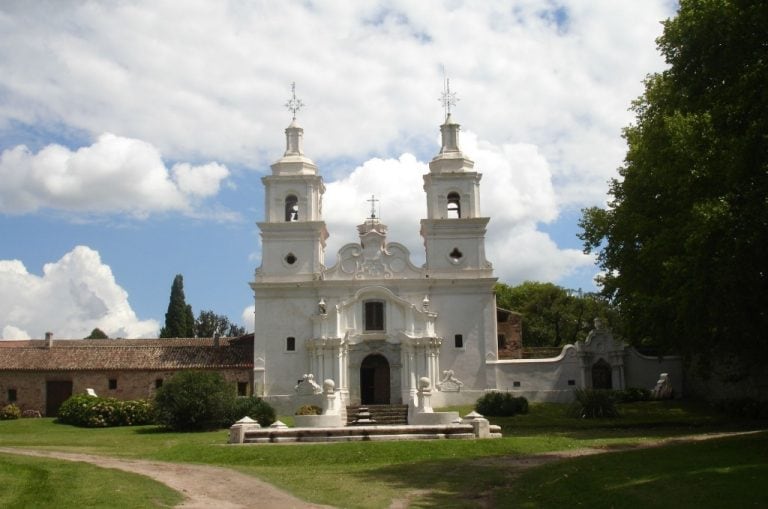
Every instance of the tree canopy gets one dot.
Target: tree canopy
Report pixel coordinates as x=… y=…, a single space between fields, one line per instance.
x=209 y=323
x=97 y=334
x=684 y=240
x=179 y=319
x=552 y=315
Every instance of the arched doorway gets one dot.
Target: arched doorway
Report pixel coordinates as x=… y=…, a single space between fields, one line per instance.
x=601 y=375
x=374 y=380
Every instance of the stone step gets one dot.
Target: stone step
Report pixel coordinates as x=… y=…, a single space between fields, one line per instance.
x=383 y=415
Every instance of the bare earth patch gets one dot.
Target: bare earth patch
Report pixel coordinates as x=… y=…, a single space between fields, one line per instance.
x=206 y=486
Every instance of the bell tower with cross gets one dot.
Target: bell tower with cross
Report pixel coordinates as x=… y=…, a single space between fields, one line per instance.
x=293 y=233
x=454 y=231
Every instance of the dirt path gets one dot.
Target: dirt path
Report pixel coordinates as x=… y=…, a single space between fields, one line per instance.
x=205 y=486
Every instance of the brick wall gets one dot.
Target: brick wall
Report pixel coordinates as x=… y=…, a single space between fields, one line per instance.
x=510 y=326
x=30 y=387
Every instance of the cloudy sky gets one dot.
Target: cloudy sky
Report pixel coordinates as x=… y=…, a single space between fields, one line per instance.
x=133 y=136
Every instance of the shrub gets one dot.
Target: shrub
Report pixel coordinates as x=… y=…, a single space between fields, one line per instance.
x=501 y=404
x=195 y=400
x=10 y=411
x=253 y=407
x=309 y=410
x=631 y=394
x=593 y=403
x=93 y=412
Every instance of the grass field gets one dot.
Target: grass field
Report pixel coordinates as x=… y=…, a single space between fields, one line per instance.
x=44 y=483
x=456 y=473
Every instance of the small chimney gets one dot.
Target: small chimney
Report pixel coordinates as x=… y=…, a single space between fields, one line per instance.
x=216 y=339
x=48 y=339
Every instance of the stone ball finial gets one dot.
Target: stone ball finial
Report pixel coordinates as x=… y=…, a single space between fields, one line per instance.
x=598 y=323
x=424 y=382
x=328 y=385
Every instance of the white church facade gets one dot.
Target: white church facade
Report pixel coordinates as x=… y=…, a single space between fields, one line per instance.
x=376 y=324
x=373 y=322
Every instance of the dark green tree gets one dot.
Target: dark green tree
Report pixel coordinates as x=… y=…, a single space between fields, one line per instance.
x=208 y=323
x=97 y=334
x=195 y=400
x=684 y=240
x=179 y=320
x=552 y=315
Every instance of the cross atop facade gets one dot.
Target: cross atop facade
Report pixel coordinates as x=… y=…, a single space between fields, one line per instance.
x=293 y=103
x=448 y=98
x=373 y=201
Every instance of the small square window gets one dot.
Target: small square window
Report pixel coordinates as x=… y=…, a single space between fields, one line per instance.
x=515 y=384
x=242 y=388
x=12 y=396
x=290 y=344
x=571 y=382
x=112 y=384
x=158 y=383
x=458 y=341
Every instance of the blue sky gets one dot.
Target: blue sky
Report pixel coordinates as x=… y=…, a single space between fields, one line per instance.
x=133 y=138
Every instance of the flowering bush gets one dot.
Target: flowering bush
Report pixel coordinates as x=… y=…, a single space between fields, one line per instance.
x=94 y=412
x=9 y=412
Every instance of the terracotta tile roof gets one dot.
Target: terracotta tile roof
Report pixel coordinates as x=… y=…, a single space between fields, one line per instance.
x=126 y=354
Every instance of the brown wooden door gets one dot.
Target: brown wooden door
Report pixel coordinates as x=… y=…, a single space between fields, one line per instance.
x=374 y=380
x=601 y=375
x=56 y=393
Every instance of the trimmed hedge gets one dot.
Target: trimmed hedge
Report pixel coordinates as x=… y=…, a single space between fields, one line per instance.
x=9 y=412
x=94 y=412
x=501 y=404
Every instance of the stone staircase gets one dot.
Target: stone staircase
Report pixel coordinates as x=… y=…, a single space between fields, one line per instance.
x=383 y=415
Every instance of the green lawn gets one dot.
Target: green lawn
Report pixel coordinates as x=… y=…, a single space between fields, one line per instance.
x=44 y=483
x=446 y=473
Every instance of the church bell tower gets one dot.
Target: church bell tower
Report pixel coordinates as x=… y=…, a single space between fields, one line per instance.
x=293 y=233
x=454 y=231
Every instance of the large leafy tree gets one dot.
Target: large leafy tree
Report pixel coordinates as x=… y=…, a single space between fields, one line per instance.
x=552 y=315
x=209 y=323
x=179 y=319
x=684 y=240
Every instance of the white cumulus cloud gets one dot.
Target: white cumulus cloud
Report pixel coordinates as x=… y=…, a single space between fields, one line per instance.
x=73 y=296
x=115 y=174
x=516 y=192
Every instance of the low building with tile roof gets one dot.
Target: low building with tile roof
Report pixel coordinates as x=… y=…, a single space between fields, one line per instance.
x=41 y=374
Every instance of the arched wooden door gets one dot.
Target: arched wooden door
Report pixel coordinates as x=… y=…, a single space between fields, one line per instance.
x=601 y=375
x=374 y=380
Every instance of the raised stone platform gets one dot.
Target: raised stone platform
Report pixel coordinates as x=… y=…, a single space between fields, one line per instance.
x=365 y=433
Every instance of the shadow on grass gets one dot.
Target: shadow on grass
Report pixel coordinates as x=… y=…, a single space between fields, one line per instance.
x=699 y=470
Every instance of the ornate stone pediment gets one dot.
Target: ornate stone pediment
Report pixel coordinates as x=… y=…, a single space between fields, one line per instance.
x=373 y=257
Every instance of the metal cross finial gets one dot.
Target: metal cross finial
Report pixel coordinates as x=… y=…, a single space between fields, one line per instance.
x=448 y=98
x=294 y=104
x=373 y=201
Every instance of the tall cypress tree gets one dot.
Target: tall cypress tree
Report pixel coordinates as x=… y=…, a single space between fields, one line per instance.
x=179 y=320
